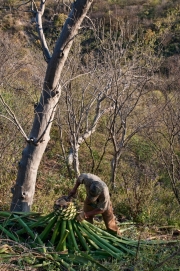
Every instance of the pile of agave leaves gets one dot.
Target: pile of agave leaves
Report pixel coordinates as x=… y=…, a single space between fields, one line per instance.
x=59 y=239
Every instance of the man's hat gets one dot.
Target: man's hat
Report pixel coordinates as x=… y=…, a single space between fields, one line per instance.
x=94 y=191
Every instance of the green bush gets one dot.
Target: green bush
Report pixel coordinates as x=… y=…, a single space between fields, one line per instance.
x=59 y=19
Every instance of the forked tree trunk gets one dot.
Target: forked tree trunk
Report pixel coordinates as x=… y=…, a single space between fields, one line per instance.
x=73 y=160
x=23 y=191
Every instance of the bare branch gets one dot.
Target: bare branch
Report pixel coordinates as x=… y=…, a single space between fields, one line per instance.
x=13 y=118
x=24 y=4
x=39 y=14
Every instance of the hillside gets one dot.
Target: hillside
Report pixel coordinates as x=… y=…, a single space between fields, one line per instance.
x=20 y=42
x=129 y=51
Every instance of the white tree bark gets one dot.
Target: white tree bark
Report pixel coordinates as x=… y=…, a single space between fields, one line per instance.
x=73 y=157
x=23 y=191
x=39 y=14
x=83 y=115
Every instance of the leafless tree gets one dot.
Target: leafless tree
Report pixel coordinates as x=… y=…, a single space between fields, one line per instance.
x=171 y=158
x=84 y=107
x=132 y=66
x=167 y=138
x=24 y=188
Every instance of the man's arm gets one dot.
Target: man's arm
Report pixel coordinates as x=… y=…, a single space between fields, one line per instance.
x=93 y=212
x=74 y=190
x=83 y=215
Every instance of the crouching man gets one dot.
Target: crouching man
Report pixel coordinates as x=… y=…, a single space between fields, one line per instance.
x=97 y=201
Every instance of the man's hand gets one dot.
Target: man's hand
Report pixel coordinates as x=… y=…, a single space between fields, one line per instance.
x=74 y=190
x=81 y=216
x=72 y=193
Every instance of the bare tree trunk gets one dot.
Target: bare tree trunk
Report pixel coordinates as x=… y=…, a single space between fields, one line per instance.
x=76 y=160
x=73 y=160
x=114 y=165
x=23 y=191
